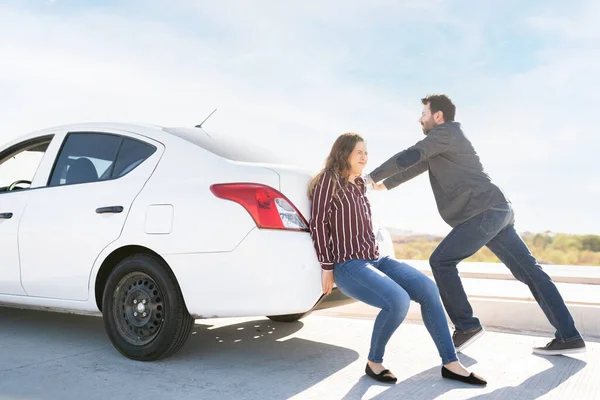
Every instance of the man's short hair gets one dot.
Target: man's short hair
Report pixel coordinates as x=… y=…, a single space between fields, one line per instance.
x=440 y=102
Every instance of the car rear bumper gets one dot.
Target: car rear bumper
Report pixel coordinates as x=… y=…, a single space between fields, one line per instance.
x=269 y=273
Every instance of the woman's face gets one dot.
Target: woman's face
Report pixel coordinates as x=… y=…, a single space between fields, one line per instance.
x=358 y=158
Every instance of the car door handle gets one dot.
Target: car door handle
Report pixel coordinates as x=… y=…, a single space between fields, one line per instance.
x=109 y=210
x=6 y=215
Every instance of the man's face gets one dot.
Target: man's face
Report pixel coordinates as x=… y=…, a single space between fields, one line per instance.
x=427 y=120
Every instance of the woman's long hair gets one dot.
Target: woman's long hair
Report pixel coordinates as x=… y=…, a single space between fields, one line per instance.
x=337 y=161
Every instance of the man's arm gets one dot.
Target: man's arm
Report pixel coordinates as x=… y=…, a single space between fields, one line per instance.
x=436 y=142
x=407 y=175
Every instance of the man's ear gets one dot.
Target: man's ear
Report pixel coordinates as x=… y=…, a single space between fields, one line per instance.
x=438 y=117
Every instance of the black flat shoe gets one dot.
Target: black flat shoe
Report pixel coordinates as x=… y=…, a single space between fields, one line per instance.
x=384 y=376
x=471 y=379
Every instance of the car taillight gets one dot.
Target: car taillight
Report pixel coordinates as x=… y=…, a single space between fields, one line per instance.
x=269 y=208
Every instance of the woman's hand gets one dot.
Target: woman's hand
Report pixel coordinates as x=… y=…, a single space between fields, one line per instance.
x=379 y=186
x=327 y=279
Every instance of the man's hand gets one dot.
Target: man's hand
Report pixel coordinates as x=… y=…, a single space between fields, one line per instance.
x=372 y=185
x=327 y=279
x=379 y=186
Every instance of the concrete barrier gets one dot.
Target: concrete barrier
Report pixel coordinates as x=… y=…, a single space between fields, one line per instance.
x=527 y=316
x=559 y=273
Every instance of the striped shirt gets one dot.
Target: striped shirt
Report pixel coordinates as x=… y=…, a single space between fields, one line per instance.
x=341 y=226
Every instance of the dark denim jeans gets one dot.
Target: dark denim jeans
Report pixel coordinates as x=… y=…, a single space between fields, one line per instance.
x=495 y=229
x=390 y=285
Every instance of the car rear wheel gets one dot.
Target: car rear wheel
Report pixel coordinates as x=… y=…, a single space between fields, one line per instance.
x=144 y=313
x=288 y=317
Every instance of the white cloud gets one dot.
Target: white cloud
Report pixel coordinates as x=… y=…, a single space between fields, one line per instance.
x=579 y=23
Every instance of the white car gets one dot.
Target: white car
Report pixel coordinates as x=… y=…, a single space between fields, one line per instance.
x=154 y=227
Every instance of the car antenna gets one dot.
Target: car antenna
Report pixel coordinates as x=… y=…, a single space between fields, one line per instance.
x=200 y=126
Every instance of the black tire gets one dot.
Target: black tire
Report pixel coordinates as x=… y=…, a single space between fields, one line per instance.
x=288 y=317
x=143 y=309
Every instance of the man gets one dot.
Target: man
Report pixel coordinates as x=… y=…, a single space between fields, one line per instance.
x=480 y=215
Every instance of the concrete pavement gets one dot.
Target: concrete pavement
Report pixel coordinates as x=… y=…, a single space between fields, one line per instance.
x=58 y=356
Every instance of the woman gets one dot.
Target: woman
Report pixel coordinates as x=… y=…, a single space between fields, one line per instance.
x=346 y=247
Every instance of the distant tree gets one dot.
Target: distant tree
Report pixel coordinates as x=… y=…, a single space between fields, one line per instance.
x=541 y=240
x=565 y=242
x=590 y=242
x=547 y=247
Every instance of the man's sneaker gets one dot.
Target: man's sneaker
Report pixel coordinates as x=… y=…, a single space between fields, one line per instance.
x=463 y=339
x=557 y=347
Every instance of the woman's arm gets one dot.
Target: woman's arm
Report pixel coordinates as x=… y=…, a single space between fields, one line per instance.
x=319 y=220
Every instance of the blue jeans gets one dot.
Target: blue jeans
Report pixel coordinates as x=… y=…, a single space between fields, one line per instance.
x=390 y=285
x=495 y=229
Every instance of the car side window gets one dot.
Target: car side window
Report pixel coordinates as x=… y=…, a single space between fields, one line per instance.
x=19 y=164
x=131 y=154
x=93 y=157
x=84 y=158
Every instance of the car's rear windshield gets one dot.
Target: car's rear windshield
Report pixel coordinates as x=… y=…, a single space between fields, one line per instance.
x=227 y=147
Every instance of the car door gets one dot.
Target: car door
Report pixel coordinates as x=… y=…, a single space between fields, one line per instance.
x=94 y=181
x=18 y=165
x=11 y=210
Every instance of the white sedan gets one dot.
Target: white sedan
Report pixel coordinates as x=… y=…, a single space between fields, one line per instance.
x=154 y=227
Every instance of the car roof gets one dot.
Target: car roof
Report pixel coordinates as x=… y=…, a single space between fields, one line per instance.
x=156 y=132
x=231 y=148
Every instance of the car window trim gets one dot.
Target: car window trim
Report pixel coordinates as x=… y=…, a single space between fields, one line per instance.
x=22 y=146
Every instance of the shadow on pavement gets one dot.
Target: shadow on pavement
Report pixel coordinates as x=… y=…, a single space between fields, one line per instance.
x=543 y=382
x=427 y=385
x=69 y=354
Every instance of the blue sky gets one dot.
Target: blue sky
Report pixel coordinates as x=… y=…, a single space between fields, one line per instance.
x=293 y=75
